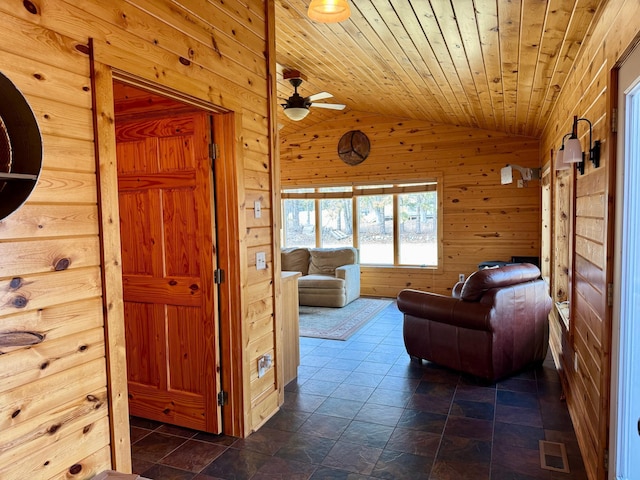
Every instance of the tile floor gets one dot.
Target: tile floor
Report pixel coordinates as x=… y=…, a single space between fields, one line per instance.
x=361 y=409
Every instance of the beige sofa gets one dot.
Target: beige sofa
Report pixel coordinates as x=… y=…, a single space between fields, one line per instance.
x=330 y=276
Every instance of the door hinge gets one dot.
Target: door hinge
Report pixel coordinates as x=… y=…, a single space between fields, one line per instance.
x=605 y=460
x=614 y=120
x=213 y=151
x=218 y=276
x=610 y=294
x=223 y=398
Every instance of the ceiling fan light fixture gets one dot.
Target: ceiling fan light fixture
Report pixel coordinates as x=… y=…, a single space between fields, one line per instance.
x=329 y=11
x=296 y=113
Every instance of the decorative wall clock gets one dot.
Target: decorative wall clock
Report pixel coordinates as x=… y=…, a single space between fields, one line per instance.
x=353 y=147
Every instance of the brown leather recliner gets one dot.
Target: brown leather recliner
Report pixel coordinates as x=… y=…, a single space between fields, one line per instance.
x=495 y=324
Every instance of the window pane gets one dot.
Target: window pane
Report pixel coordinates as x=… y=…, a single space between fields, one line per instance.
x=335 y=189
x=298 y=190
x=375 y=232
x=299 y=223
x=418 y=228
x=337 y=222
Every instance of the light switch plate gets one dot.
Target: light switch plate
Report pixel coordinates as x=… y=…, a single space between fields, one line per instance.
x=261 y=261
x=257 y=209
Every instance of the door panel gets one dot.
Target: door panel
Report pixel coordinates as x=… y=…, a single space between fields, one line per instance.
x=166 y=221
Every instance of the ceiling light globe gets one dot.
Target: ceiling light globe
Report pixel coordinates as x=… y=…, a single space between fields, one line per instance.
x=296 y=113
x=329 y=11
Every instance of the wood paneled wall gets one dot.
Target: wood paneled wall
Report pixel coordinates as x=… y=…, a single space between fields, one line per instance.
x=54 y=403
x=481 y=219
x=582 y=224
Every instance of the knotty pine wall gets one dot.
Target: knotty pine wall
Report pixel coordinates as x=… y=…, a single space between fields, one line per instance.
x=57 y=417
x=481 y=219
x=582 y=229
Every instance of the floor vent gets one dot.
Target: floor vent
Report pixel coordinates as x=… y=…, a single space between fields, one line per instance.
x=553 y=456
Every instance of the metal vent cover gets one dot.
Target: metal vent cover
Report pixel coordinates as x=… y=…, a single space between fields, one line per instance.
x=553 y=456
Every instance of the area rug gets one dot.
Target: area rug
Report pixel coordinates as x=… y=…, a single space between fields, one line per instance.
x=339 y=323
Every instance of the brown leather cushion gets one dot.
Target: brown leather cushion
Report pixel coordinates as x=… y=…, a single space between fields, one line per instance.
x=483 y=280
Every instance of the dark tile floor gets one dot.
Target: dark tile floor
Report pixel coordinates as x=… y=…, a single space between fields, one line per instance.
x=361 y=409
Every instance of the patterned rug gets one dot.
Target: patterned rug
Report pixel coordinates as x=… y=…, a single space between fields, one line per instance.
x=339 y=323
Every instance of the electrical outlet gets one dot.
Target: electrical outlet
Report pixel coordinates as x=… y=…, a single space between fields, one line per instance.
x=520 y=183
x=257 y=209
x=264 y=364
x=261 y=261
x=461 y=277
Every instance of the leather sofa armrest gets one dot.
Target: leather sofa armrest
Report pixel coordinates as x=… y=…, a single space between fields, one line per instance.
x=444 y=309
x=456 y=291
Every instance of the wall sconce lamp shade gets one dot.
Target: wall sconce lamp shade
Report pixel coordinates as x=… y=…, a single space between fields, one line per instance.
x=561 y=164
x=329 y=11
x=296 y=113
x=573 y=150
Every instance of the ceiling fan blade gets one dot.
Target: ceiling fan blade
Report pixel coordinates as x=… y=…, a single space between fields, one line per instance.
x=319 y=96
x=331 y=106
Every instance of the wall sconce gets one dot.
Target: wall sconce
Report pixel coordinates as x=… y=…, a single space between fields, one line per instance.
x=573 y=150
x=560 y=162
x=329 y=11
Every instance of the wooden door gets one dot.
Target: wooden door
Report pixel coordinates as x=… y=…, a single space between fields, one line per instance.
x=167 y=225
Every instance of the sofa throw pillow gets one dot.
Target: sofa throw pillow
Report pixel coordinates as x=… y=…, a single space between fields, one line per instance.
x=324 y=261
x=295 y=260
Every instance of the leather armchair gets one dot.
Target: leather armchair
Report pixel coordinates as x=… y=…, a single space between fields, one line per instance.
x=494 y=324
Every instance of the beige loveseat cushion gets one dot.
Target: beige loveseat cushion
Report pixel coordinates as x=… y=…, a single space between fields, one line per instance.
x=295 y=260
x=324 y=261
x=320 y=281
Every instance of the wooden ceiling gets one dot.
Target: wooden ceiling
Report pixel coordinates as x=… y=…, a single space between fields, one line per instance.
x=492 y=64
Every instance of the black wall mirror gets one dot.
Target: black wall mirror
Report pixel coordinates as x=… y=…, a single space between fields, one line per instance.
x=20 y=148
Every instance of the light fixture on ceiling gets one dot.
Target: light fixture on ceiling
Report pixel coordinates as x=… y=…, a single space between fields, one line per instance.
x=561 y=164
x=297 y=107
x=296 y=113
x=329 y=11
x=573 y=150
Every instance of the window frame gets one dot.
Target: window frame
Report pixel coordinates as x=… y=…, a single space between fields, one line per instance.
x=354 y=190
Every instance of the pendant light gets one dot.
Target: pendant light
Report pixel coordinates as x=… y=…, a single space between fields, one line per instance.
x=329 y=11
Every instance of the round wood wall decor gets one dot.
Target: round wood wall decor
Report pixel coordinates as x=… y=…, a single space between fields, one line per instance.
x=353 y=147
x=20 y=148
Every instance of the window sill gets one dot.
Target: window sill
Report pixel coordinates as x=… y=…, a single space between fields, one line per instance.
x=564 y=312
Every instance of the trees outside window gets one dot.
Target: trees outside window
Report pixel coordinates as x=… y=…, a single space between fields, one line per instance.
x=390 y=225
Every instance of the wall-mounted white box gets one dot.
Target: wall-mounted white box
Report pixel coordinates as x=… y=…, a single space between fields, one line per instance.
x=261 y=261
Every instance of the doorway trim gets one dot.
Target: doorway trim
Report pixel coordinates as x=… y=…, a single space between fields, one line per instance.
x=625 y=330
x=225 y=124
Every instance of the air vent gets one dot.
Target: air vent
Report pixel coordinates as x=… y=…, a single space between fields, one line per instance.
x=553 y=456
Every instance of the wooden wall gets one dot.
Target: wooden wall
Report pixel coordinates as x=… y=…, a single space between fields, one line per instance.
x=57 y=417
x=582 y=225
x=481 y=219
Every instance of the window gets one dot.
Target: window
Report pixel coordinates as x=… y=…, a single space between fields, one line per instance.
x=391 y=225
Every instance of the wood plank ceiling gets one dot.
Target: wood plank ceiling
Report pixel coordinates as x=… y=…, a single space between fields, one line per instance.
x=493 y=64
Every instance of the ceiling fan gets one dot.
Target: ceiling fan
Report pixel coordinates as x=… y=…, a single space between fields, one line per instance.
x=297 y=106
